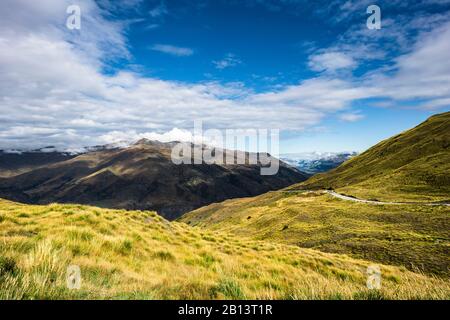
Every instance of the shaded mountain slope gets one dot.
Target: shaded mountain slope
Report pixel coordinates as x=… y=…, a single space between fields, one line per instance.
x=142 y=176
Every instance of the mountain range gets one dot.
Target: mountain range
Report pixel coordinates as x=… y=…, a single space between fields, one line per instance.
x=316 y=162
x=141 y=176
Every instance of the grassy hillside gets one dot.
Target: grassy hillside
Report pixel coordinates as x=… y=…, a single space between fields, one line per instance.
x=412 y=166
x=135 y=254
x=417 y=237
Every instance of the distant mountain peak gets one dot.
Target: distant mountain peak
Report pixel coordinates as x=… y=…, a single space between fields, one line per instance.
x=317 y=162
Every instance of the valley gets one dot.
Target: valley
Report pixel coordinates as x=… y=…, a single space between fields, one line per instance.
x=412 y=167
x=416 y=237
x=251 y=150
x=311 y=239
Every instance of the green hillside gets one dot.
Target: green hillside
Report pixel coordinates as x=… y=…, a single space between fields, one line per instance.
x=417 y=237
x=412 y=166
x=137 y=254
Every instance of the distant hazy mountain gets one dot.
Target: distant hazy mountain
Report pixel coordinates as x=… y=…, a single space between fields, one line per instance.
x=316 y=162
x=14 y=162
x=17 y=161
x=141 y=176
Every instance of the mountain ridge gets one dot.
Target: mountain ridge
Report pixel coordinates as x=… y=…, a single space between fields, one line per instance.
x=141 y=176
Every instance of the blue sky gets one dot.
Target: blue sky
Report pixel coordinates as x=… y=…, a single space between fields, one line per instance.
x=265 y=44
x=150 y=68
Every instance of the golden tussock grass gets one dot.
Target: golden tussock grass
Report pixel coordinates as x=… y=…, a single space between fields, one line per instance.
x=139 y=255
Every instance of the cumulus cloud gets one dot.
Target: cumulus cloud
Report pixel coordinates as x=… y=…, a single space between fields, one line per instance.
x=424 y=73
x=132 y=136
x=54 y=93
x=53 y=90
x=330 y=61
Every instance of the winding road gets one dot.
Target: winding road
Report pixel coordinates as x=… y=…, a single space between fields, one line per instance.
x=347 y=198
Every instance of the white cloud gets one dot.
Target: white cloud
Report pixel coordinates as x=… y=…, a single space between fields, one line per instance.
x=53 y=90
x=351 y=117
x=159 y=10
x=132 y=136
x=125 y=138
x=230 y=60
x=173 y=50
x=321 y=93
x=437 y=103
x=331 y=61
x=424 y=73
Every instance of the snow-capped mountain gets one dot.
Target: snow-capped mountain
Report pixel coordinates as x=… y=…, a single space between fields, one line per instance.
x=316 y=162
